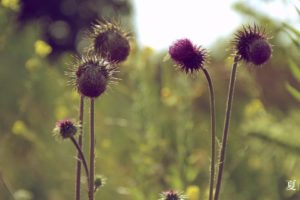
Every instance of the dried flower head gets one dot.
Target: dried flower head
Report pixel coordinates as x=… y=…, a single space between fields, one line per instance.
x=91 y=75
x=188 y=57
x=251 y=44
x=172 y=195
x=65 y=128
x=110 y=41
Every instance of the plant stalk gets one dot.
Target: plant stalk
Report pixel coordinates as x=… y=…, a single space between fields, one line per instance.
x=213 y=132
x=226 y=127
x=81 y=157
x=92 y=151
x=80 y=137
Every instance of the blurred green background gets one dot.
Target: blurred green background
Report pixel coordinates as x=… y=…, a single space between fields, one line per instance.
x=153 y=128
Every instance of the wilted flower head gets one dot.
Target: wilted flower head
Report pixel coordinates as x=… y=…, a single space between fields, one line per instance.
x=110 y=41
x=172 y=195
x=251 y=44
x=91 y=75
x=65 y=128
x=187 y=56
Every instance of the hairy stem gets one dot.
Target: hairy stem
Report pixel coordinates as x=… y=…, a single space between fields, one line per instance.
x=226 y=127
x=213 y=133
x=81 y=157
x=78 y=162
x=92 y=151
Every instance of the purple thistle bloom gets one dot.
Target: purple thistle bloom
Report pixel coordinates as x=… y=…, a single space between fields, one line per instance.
x=188 y=57
x=251 y=44
x=65 y=128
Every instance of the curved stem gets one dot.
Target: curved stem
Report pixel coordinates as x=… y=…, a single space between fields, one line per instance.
x=92 y=151
x=78 y=163
x=213 y=133
x=81 y=157
x=226 y=127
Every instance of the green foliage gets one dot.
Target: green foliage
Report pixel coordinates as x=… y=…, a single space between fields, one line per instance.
x=152 y=129
x=293 y=91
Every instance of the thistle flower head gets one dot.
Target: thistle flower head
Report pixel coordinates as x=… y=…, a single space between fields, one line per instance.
x=172 y=195
x=91 y=75
x=251 y=44
x=65 y=128
x=187 y=56
x=110 y=41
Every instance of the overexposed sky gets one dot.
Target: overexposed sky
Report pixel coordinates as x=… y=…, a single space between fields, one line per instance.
x=158 y=23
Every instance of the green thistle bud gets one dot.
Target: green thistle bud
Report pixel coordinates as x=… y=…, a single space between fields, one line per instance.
x=91 y=75
x=99 y=182
x=172 y=195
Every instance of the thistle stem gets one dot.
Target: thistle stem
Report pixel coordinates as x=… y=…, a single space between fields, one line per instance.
x=213 y=132
x=80 y=137
x=81 y=157
x=92 y=151
x=226 y=127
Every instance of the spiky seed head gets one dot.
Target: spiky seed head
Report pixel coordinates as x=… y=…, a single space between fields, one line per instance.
x=110 y=41
x=251 y=44
x=65 y=128
x=188 y=57
x=172 y=195
x=99 y=182
x=91 y=75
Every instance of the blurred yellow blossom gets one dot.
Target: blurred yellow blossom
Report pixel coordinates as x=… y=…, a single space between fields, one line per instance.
x=193 y=192
x=19 y=127
x=11 y=4
x=42 y=48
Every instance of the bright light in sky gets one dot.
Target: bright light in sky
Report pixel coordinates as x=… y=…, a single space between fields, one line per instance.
x=161 y=22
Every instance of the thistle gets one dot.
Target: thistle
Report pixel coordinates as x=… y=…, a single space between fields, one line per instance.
x=99 y=182
x=251 y=44
x=91 y=75
x=188 y=57
x=65 y=129
x=109 y=41
x=191 y=58
x=172 y=195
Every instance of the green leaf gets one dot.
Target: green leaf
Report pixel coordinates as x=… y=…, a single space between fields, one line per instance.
x=292 y=29
x=294 y=69
x=269 y=139
x=293 y=91
x=295 y=41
